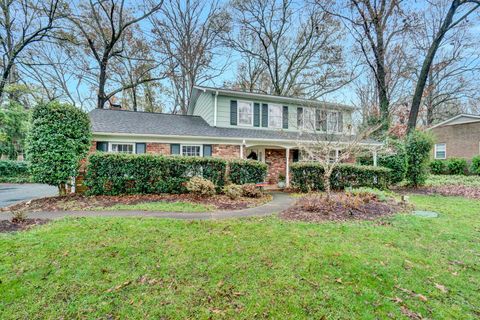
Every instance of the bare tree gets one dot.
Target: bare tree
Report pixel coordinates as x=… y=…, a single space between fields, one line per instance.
x=23 y=23
x=187 y=34
x=296 y=43
x=456 y=14
x=102 y=24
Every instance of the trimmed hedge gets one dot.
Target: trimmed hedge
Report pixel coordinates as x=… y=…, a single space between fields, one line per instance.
x=457 y=166
x=115 y=174
x=438 y=167
x=14 y=171
x=475 y=167
x=308 y=176
x=246 y=171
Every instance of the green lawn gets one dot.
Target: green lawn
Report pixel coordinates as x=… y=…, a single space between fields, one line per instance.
x=255 y=268
x=162 y=206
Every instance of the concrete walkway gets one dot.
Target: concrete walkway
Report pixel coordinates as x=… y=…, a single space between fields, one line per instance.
x=280 y=202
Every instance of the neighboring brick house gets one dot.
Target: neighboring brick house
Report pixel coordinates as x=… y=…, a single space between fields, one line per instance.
x=227 y=124
x=457 y=137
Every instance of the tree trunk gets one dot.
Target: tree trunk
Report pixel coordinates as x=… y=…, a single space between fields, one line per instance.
x=62 y=190
x=102 y=79
x=327 y=184
x=382 y=83
x=427 y=64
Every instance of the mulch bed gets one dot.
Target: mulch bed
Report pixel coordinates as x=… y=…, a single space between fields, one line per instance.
x=447 y=190
x=9 y=226
x=341 y=207
x=80 y=202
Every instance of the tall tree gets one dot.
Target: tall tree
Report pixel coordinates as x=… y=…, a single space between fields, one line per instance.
x=187 y=34
x=295 y=43
x=102 y=24
x=23 y=23
x=457 y=13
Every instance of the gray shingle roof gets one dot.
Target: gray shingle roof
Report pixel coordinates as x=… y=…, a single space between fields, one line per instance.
x=147 y=123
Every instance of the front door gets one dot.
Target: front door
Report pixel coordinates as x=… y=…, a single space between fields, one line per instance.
x=255 y=154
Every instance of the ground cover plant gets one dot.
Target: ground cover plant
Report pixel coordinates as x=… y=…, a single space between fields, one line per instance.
x=398 y=267
x=451 y=185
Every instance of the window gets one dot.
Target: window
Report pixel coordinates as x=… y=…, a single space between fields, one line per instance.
x=245 y=113
x=274 y=116
x=192 y=151
x=122 y=147
x=441 y=151
x=309 y=119
x=332 y=122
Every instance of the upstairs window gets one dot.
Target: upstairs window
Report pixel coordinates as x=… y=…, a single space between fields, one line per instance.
x=245 y=113
x=332 y=122
x=441 y=151
x=309 y=119
x=274 y=116
x=122 y=147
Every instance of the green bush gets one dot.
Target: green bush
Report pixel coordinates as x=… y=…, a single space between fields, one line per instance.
x=418 y=146
x=233 y=191
x=115 y=174
x=457 y=166
x=475 y=167
x=250 y=190
x=200 y=187
x=14 y=171
x=395 y=160
x=308 y=176
x=246 y=171
x=438 y=167
x=381 y=195
x=60 y=137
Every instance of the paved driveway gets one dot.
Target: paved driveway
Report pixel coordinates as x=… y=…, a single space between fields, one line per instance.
x=11 y=193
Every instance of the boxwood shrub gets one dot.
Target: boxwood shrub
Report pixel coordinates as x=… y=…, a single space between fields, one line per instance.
x=457 y=166
x=438 y=167
x=475 y=167
x=308 y=176
x=115 y=174
x=14 y=171
x=246 y=171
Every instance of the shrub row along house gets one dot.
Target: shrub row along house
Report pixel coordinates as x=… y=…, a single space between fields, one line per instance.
x=227 y=124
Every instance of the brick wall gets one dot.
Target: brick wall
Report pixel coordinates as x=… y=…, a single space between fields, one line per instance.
x=158 y=148
x=226 y=151
x=462 y=140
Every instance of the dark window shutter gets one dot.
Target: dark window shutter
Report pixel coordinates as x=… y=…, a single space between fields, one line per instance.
x=233 y=112
x=207 y=150
x=299 y=118
x=264 y=115
x=140 y=148
x=318 y=120
x=340 y=122
x=323 y=120
x=102 y=146
x=174 y=149
x=285 y=117
x=295 y=155
x=256 y=114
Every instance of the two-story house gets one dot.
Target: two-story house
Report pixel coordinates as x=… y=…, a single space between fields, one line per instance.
x=227 y=124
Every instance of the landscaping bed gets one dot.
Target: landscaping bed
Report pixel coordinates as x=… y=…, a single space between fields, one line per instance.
x=356 y=205
x=25 y=224
x=448 y=185
x=80 y=202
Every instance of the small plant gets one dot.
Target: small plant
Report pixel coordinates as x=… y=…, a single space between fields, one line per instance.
x=457 y=166
x=380 y=195
x=250 y=190
x=233 y=191
x=200 y=187
x=18 y=216
x=281 y=177
x=475 y=168
x=438 y=167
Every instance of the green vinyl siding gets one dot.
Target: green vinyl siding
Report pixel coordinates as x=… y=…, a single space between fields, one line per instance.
x=205 y=107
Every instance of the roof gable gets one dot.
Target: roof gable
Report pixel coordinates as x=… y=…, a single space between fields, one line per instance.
x=458 y=119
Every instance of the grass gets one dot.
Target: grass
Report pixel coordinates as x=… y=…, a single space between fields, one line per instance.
x=250 y=268
x=442 y=180
x=177 y=206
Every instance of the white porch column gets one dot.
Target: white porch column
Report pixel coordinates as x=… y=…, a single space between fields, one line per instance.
x=287 y=167
x=375 y=157
x=241 y=151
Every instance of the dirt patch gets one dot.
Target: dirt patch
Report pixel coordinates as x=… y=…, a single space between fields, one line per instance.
x=341 y=207
x=448 y=190
x=9 y=226
x=80 y=202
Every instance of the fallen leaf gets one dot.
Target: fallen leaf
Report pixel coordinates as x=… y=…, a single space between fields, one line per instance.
x=397 y=300
x=422 y=297
x=441 y=287
x=339 y=280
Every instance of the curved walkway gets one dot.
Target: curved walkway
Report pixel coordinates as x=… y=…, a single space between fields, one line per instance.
x=280 y=202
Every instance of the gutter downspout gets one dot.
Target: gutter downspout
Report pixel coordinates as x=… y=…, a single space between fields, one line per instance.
x=215 y=110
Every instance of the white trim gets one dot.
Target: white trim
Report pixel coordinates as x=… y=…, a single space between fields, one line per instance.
x=192 y=145
x=454 y=118
x=215 y=104
x=133 y=144
x=238 y=113
x=287 y=167
x=435 y=151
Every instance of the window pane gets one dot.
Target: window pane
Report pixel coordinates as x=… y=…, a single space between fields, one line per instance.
x=309 y=119
x=440 y=151
x=191 y=151
x=245 y=113
x=274 y=116
x=332 y=122
x=122 y=148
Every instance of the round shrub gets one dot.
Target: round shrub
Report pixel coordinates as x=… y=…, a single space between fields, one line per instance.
x=457 y=166
x=233 y=191
x=250 y=190
x=438 y=167
x=201 y=187
x=418 y=146
x=475 y=168
x=246 y=171
x=59 y=139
